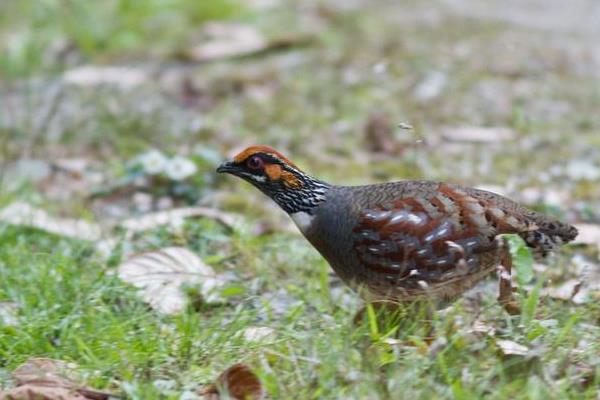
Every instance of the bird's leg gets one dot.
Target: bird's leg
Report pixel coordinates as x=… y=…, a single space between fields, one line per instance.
x=505 y=295
x=430 y=333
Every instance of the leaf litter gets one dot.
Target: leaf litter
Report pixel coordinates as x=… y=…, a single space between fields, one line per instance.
x=259 y=334
x=223 y=40
x=23 y=214
x=91 y=76
x=512 y=348
x=237 y=382
x=45 y=378
x=160 y=218
x=160 y=277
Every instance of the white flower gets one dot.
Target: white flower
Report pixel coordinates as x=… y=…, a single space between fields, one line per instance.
x=153 y=162
x=179 y=168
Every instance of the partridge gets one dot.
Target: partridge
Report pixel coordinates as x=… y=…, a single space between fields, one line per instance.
x=401 y=241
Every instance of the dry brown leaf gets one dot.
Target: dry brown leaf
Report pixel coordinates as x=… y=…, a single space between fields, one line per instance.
x=237 y=382
x=510 y=348
x=45 y=378
x=478 y=134
x=34 y=392
x=159 y=276
x=23 y=214
x=379 y=134
x=44 y=371
x=160 y=218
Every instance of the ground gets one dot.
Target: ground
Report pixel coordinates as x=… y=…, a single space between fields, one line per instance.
x=499 y=94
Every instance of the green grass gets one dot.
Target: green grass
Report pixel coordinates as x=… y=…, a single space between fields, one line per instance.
x=313 y=102
x=72 y=307
x=38 y=36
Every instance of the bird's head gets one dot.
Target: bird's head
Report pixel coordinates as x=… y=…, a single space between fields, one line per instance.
x=277 y=177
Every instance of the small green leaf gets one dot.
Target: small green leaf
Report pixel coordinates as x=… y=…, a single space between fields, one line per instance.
x=373 y=326
x=521 y=257
x=233 y=290
x=531 y=303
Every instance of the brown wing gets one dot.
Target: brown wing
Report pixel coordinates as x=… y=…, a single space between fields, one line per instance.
x=431 y=238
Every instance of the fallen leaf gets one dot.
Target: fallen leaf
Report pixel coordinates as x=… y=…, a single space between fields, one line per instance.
x=482 y=327
x=45 y=378
x=379 y=134
x=45 y=371
x=23 y=214
x=34 y=392
x=227 y=40
x=92 y=76
x=160 y=218
x=508 y=348
x=572 y=290
x=259 y=334
x=237 y=382
x=478 y=134
x=160 y=275
x=589 y=234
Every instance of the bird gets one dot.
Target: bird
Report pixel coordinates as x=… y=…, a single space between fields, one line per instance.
x=402 y=241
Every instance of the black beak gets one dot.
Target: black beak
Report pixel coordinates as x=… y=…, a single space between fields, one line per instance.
x=228 y=167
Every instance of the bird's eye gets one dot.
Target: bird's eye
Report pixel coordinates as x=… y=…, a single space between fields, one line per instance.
x=255 y=162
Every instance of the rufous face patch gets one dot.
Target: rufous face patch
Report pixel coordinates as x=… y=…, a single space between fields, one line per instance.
x=290 y=180
x=273 y=171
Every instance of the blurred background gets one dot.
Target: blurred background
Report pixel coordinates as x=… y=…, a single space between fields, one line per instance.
x=498 y=93
x=110 y=110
